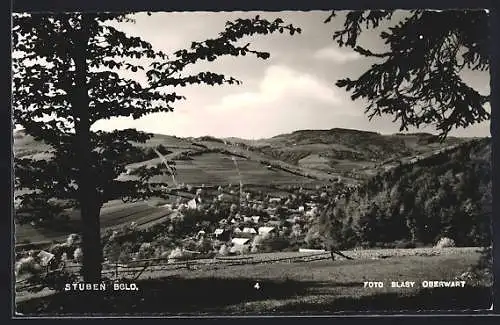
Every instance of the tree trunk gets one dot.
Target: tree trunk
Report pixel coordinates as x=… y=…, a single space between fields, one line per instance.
x=89 y=203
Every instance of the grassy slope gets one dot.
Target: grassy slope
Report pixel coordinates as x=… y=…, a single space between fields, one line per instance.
x=312 y=287
x=316 y=152
x=114 y=214
x=343 y=150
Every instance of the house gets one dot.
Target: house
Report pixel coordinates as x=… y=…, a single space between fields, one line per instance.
x=237 y=230
x=247 y=219
x=240 y=241
x=266 y=230
x=255 y=219
x=274 y=223
x=271 y=210
x=192 y=204
x=240 y=245
x=311 y=213
x=249 y=230
x=301 y=209
x=200 y=234
x=275 y=200
x=46 y=258
x=308 y=250
x=222 y=234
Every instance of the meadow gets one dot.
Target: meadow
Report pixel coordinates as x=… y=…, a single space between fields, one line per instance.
x=322 y=286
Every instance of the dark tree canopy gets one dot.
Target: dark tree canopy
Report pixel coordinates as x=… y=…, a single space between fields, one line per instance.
x=418 y=79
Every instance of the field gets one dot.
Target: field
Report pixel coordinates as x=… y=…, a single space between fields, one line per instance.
x=322 y=153
x=219 y=169
x=322 y=286
x=114 y=214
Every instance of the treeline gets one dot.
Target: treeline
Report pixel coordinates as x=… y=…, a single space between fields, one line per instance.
x=448 y=195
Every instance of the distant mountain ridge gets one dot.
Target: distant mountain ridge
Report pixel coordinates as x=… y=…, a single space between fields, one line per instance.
x=314 y=154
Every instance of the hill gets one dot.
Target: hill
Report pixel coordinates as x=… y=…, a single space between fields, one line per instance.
x=302 y=156
x=306 y=158
x=346 y=152
x=447 y=194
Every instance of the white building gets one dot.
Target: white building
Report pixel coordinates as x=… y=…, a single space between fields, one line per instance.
x=275 y=200
x=266 y=230
x=240 y=241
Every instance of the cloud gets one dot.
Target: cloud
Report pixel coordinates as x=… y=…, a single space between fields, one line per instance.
x=283 y=101
x=336 y=55
x=282 y=83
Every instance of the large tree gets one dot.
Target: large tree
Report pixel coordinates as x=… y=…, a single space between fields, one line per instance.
x=418 y=79
x=67 y=76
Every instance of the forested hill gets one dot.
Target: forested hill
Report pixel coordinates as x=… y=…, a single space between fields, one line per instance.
x=446 y=195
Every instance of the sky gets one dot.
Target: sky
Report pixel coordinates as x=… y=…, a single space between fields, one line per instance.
x=294 y=89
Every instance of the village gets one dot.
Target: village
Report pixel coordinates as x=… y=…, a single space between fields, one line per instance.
x=254 y=221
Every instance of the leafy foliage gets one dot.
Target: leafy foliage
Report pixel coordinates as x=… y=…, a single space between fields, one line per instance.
x=418 y=80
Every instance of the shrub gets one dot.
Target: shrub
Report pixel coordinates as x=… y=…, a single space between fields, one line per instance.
x=190 y=245
x=27 y=265
x=224 y=250
x=126 y=252
x=240 y=249
x=274 y=244
x=176 y=253
x=78 y=255
x=146 y=251
x=314 y=240
x=112 y=251
x=445 y=242
x=204 y=245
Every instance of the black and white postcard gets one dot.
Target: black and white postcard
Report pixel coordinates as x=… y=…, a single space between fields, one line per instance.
x=251 y=163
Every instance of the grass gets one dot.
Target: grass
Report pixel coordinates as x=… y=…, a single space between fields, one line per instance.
x=219 y=169
x=113 y=215
x=285 y=288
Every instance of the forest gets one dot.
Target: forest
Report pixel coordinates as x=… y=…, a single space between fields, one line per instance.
x=446 y=195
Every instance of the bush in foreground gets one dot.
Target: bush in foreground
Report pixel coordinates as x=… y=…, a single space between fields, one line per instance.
x=445 y=242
